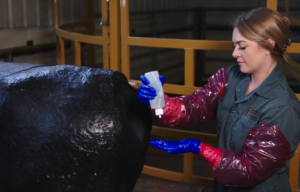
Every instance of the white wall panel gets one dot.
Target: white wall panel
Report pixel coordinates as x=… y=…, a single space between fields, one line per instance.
x=18 y=13
x=31 y=13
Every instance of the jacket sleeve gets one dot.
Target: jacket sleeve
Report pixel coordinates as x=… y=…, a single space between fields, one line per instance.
x=199 y=107
x=265 y=151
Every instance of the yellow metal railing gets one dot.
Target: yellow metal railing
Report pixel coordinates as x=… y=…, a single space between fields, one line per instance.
x=287 y=13
x=116 y=42
x=76 y=38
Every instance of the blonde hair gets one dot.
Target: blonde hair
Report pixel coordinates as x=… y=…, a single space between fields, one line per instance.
x=261 y=24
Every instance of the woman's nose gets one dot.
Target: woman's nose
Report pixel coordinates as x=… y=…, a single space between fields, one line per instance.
x=235 y=53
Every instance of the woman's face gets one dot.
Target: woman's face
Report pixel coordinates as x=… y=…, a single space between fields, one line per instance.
x=249 y=54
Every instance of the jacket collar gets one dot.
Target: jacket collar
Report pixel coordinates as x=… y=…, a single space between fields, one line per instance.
x=270 y=85
x=267 y=89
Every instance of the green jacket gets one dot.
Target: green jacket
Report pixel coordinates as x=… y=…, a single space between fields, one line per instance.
x=273 y=102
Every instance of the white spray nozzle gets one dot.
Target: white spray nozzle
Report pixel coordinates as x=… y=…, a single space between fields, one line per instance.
x=159 y=112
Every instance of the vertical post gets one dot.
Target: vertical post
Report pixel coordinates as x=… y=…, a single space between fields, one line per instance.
x=189 y=67
x=189 y=79
x=72 y=42
x=56 y=13
x=287 y=6
x=62 y=51
x=104 y=6
x=77 y=53
x=294 y=170
x=272 y=4
x=56 y=26
x=90 y=30
x=114 y=13
x=188 y=163
x=125 y=51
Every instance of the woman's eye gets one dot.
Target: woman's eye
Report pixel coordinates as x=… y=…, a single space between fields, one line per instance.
x=242 y=48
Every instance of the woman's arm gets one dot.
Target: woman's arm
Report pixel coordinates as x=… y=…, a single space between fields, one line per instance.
x=199 y=107
x=265 y=151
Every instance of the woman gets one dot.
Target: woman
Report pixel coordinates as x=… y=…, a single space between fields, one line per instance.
x=257 y=114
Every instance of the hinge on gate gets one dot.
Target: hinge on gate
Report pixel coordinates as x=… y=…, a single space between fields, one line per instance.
x=104 y=22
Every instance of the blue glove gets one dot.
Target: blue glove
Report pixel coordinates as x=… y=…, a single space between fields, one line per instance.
x=146 y=92
x=174 y=147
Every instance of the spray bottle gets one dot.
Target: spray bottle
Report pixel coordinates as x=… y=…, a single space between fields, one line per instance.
x=159 y=101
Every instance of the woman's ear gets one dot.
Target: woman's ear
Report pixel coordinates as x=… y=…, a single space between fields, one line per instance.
x=271 y=42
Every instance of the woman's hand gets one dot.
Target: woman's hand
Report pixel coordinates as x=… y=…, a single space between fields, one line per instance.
x=146 y=92
x=174 y=147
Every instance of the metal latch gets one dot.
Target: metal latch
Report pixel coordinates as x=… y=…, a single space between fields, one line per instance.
x=104 y=22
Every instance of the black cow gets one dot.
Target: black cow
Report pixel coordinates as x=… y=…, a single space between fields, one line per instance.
x=67 y=128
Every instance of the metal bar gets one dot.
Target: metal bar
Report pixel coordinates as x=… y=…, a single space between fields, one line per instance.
x=189 y=67
x=77 y=53
x=294 y=48
x=72 y=25
x=294 y=170
x=56 y=13
x=179 y=177
x=62 y=51
x=80 y=37
x=272 y=4
x=114 y=13
x=125 y=50
x=72 y=42
x=295 y=22
x=193 y=44
x=287 y=6
x=161 y=11
x=188 y=164
x=57 y=50
x=179 y=43
x=105 y=36
x=90 y=29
